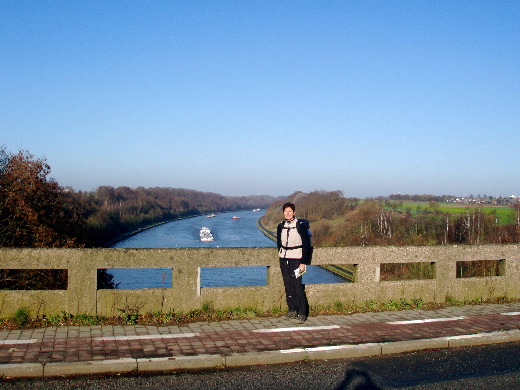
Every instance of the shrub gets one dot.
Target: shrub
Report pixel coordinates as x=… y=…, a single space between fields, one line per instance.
x=21 y=317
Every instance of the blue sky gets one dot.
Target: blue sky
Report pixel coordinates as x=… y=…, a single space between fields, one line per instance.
x=266 y=97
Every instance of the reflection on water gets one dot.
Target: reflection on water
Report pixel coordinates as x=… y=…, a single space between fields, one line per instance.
x=228 y=232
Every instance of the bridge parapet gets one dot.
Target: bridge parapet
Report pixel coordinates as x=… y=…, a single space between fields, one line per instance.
x=83 y=297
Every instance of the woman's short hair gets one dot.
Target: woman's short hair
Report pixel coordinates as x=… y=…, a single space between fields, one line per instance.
x=289 y=204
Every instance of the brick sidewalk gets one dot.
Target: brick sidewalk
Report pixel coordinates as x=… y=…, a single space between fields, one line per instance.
x=78 y=350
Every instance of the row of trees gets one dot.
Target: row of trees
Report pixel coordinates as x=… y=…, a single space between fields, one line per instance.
x=116 y=211
x=36 y=212
x=340 y=221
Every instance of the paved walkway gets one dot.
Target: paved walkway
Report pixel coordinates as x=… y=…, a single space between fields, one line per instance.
x=78 y=350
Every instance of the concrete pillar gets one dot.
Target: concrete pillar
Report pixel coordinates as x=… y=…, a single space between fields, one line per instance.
x=186 y=282
x=82 y=282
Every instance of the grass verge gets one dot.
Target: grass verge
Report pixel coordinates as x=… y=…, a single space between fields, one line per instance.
x=207 y=313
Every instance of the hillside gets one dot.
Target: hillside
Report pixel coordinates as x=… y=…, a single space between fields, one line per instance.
x=339 y=221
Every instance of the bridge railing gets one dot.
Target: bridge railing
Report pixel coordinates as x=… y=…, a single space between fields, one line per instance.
x=186 y=293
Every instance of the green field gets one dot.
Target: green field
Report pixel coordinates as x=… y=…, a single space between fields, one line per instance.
x=503 y=213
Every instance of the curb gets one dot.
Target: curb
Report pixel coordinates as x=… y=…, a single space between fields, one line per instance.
x=142 y=365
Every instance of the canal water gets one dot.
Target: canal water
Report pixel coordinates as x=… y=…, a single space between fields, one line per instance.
x=228 y=232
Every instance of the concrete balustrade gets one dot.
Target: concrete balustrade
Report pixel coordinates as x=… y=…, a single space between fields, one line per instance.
x=82 y=296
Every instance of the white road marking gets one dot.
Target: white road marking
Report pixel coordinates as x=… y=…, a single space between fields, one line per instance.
x=295 y=350
x=275 y=330
x=329 y=348
x=9 y=342
x=146 y=337
x=425 y=320
x=466 y=336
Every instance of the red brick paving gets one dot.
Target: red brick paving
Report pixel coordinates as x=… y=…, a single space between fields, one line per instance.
x=86 y=346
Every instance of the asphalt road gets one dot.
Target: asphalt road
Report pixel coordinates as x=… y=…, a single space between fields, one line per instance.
x=482 y=367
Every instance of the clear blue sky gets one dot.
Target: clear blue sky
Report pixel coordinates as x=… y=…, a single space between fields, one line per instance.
x=266 y=97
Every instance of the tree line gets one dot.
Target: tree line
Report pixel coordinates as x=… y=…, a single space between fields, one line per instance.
x=340 y=221
x=35 y=211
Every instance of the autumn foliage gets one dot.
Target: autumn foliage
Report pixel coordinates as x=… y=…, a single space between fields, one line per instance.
x=34 y=210
x=339 y=221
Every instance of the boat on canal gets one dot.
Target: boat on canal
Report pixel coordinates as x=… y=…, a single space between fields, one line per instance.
x=205 y=234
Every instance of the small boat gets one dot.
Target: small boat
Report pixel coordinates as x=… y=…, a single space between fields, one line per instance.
x=256 y=210
x=235 y=217
x=212 y=215
x=205 y=234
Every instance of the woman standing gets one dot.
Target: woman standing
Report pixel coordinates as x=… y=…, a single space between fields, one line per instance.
x=293 y=249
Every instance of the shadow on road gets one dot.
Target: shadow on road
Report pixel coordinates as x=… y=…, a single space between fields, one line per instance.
x=357 y=380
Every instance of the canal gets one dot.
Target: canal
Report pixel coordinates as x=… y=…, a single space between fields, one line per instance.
x=237 y=229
